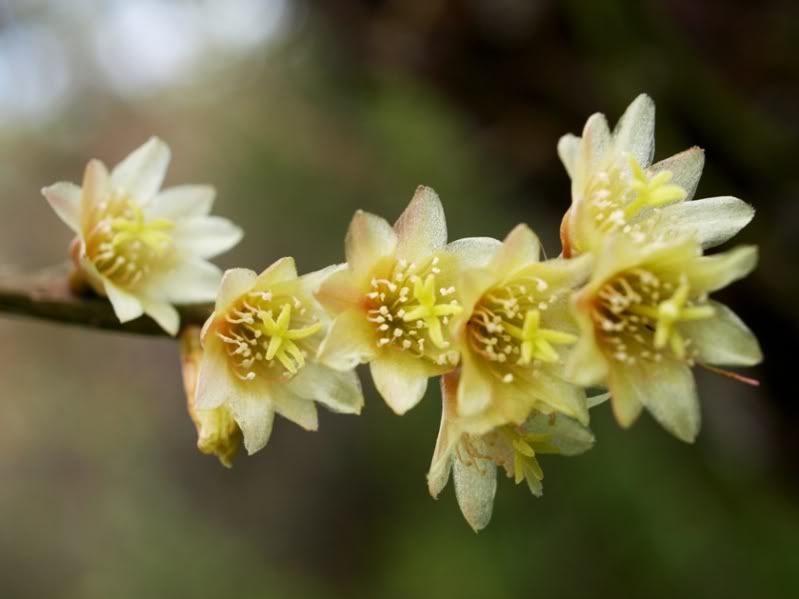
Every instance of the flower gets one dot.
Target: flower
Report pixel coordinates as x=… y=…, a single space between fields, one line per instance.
x=217 y=431
x=395 y=300
x=473 y=459
x=143 y=248
x=512 y=332
x=645 y=319
x=259 y=347
x=617 y=190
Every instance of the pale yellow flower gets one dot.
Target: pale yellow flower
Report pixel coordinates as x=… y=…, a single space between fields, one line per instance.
x=395 y=300
x=616 y=190
x=144 y=248
x=645 y=319
x=473 y=459
x=259 y=353
x=514 y=330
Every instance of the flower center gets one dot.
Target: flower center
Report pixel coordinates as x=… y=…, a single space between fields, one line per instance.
x=123 y=245
x=614 y=200
x=507 y=331
x=268 y=336
x=411 y=312
x=637 y=316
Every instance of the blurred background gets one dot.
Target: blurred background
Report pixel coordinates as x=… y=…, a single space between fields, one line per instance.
x=299 y=113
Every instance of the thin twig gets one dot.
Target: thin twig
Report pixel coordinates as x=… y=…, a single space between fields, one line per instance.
x=47 y=295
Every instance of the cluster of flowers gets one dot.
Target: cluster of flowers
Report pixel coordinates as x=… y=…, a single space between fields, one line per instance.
x=516 y=340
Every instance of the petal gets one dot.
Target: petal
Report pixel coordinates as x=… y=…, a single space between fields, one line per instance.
x=686 y=169
x=635 y=131
x=448 y=438
x=475 y=488
x=164 y=314
x=300 y=411
x=214 y=383
x=421 y=228
x=710 y=273
x=235 y=283
x=126 y=306
x=143 y=171
x=95 y=189
x=350 y=341
x=280 y=271
x=475 y=389
x=64 y=198
x=338 y=292
x=586 y=365
x=191 y=281
x=569 y=152
x=520 y=248
x=564 y=397
x=206 y=236
x=369 y=239
x=182 y=201
x=570 y=437
x=723 y=339
x=665 y=388
x=626 y=404
x=400 y=379
x=254 y=414
x=474 y=252
x=711 y=220
x=338 y=391
x=312 y=281
x=594 y=146
x=562 y=273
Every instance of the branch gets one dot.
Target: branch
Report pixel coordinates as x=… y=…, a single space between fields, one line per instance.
x=47 y=295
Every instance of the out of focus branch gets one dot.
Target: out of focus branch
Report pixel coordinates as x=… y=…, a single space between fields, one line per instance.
x=47 y=295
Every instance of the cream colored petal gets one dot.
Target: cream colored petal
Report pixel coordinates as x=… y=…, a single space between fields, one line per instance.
x=562 y=273
x=215 y=384
x=665 y=388
x=594 y=147
x=475 y=389
x=723 y=339
x=635 y=131
x=338 y=292
x=164 y=314
x=448 y=438
x=96 y=185
x=475 y=488
x=300 y=411
x=255 y=415
x=474 y=252
x=182 y=201
x=561 y=396
x=369 y=239
x=206 y=236
x=350 y=341
x=235 y=283
x=192 y=281
x=312 y=281
x=280 y=271
x=686 y=169
x=126 y=306
x=569 y=152
x=711 y=220
x=421 y=228
x=338 y=391
x=142 y=172
x=519 y=249
x=400 y=379
x=710 y=273
x=64 y=198
x=586 y=365
x=472 y=285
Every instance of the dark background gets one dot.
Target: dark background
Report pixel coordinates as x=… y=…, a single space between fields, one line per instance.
x=300 y=113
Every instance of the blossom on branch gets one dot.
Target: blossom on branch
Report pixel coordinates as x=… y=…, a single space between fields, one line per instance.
x=144 y=248
x=259 y=353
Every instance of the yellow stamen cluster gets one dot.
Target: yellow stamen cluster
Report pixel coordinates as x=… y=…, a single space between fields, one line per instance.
x=637 y=314
x=123 y=245
x=267 y=335
x=410 y=312
x=614 y=199
x=506 y=328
